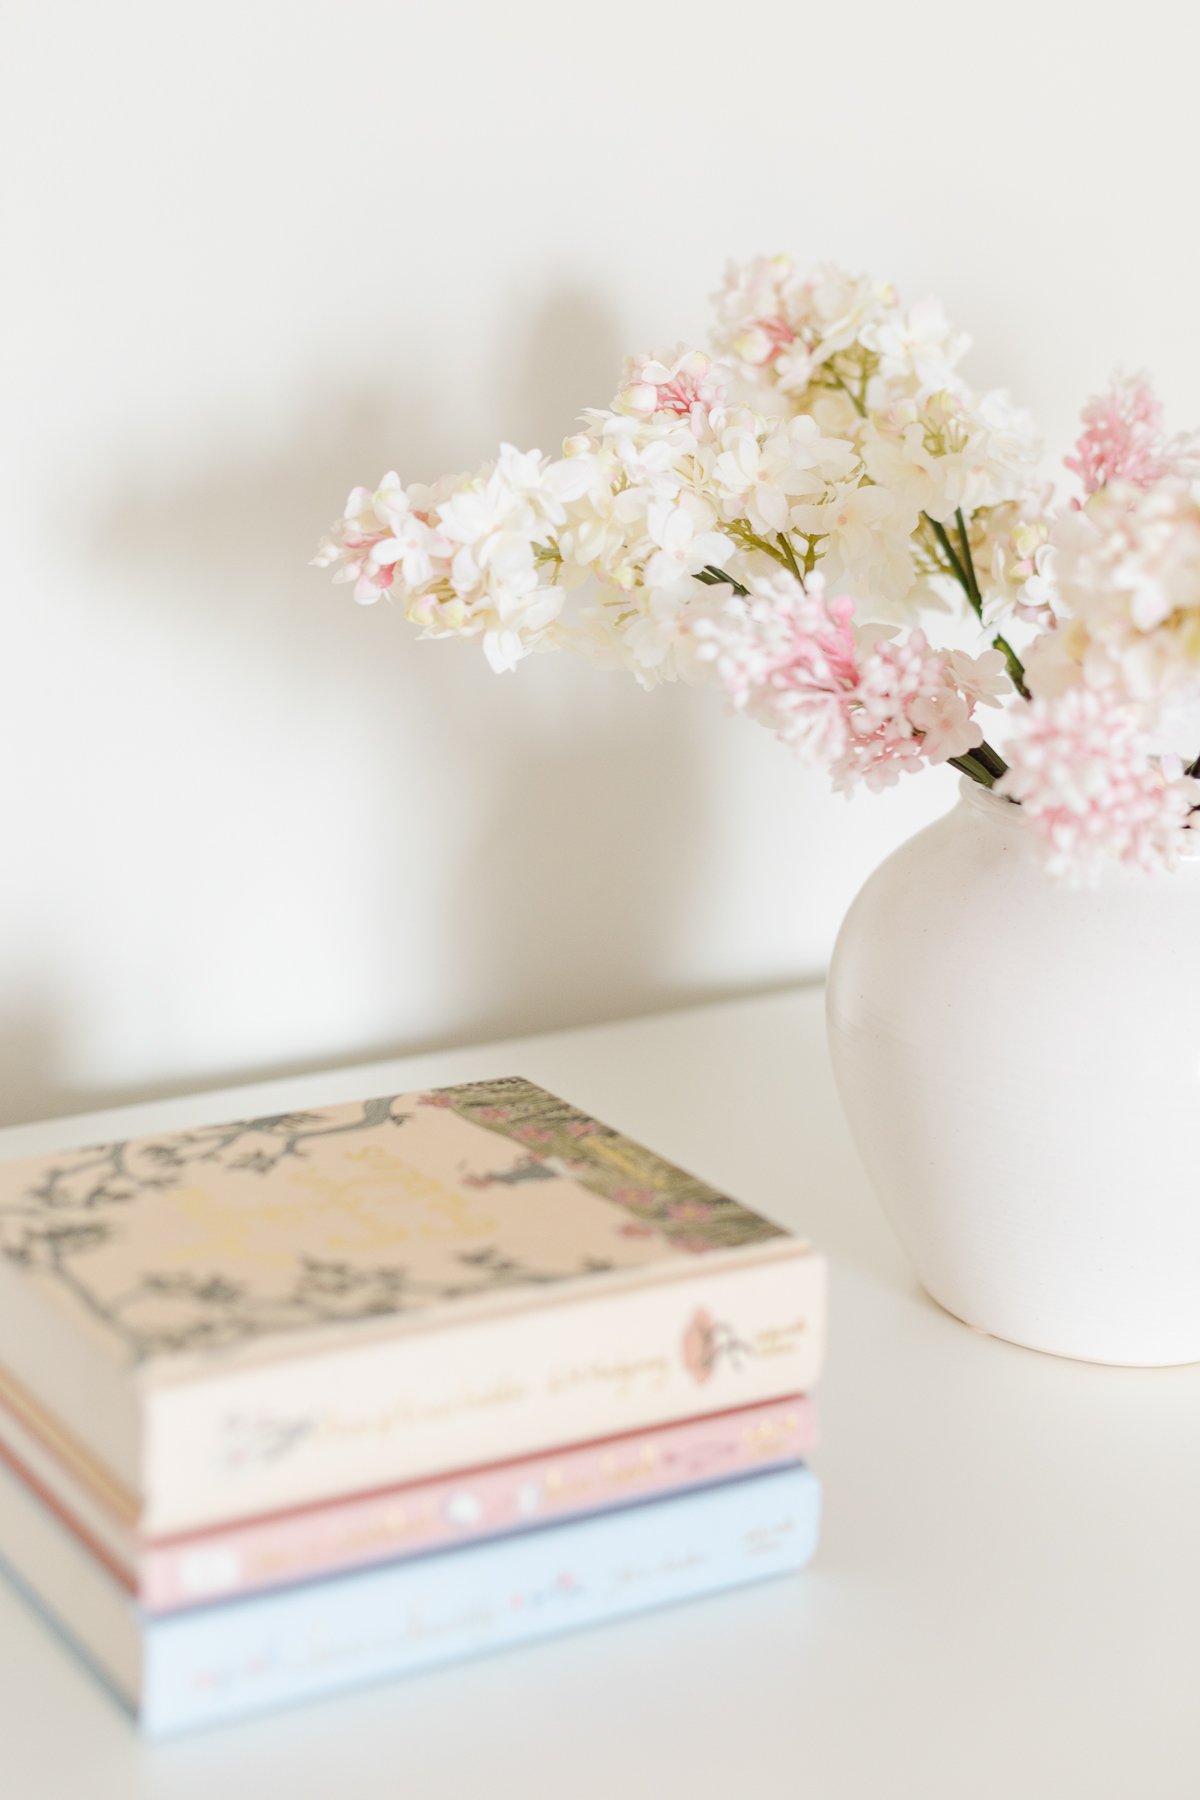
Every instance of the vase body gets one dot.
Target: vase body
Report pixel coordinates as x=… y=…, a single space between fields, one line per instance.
x=1019 y=1063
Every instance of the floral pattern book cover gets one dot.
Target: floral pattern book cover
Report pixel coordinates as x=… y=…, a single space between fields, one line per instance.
x=211 y=1238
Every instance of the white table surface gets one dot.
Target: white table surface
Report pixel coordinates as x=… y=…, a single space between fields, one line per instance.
x=1006 y=1602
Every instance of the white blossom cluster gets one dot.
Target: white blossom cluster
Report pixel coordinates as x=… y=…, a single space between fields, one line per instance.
x=858 y=437
x=1124 y=585
x=475 y=557
x=779 y=515
x=846 y=351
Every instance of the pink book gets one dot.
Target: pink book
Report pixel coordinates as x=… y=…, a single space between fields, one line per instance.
x=173 y=1573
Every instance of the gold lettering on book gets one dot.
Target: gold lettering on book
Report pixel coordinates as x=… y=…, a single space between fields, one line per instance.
x=778 y=1340
x=617 y=1373
x=612 y=1477
x=413 y=1412
x=210 y=1233
x=266 y=1561
x=637 y=1576
x=619 y=1377
x=368 y=1200
x=763 y=1539
x=766 y=1437
x=383 y=1203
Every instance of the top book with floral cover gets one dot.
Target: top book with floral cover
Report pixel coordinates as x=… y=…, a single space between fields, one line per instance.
x=232 y=1321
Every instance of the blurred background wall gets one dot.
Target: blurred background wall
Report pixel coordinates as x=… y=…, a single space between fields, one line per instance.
x=259 y=250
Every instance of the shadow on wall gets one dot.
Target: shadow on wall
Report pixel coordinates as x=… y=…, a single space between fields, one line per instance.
x=552 y=825
x=30 y=1050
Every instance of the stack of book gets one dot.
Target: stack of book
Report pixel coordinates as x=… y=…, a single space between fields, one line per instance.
x=303 y=1401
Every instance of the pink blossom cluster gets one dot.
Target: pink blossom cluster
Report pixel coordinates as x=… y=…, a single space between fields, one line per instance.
x=869 y=705
x=688 y=387
x=1093 y=789
x=915 y=705
x=1123 y=440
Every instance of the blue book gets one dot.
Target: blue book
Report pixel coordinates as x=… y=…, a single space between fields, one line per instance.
x=181 y=1671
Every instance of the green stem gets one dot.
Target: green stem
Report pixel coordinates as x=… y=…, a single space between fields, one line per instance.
x=967 y=765
x=970 y=579
x=991 y=759
x=714 y=577
x=963 y=569
x=750 y=540
x=956 y=568
x=982 y=764
x=1016 y=668
x=856 y=400
x=786 y=546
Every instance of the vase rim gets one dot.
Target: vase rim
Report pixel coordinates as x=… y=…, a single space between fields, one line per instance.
x=1005 y=813
x=995 y=806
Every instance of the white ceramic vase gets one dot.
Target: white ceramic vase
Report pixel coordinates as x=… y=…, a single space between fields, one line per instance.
x=1019 y=1061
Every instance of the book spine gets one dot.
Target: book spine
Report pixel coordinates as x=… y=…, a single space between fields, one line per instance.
x=478 y=1504
x=292 y=1431
x=227 y=1661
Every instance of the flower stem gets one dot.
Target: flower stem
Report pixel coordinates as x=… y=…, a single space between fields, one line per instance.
x=968 y=563
x=948 y=550
x=967 y=765
x=780 y=552
x=962 y=567
x=856 y=400
x=714 y=577
x=982 y=764
x=785 y=544
x=1016 y=668
x=990 y=759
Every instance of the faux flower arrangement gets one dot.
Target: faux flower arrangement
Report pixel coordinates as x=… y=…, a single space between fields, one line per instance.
x=778 y=515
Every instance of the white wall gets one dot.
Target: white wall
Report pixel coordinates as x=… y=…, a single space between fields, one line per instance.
x=261 y=249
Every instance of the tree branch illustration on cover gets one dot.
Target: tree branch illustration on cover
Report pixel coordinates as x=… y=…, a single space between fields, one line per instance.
x=206 y=1239
x=74 y=1209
